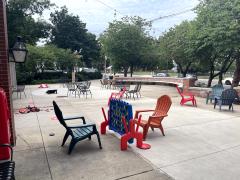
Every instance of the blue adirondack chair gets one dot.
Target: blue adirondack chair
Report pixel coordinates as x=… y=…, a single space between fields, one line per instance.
x=77 y=133
x=227 y=98
x=216 y=92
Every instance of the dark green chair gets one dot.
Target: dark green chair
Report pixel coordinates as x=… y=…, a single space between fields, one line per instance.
x=77 y=133
x=7 y=166
x=227 y=98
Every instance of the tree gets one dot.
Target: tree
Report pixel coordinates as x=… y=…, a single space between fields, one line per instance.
x=125 y=42
x=69 y=32
x=218 y=35
x=178 y=45
x=49 y=57
x=21 y=23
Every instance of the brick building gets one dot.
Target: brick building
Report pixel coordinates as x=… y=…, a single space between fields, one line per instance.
x=4 y=64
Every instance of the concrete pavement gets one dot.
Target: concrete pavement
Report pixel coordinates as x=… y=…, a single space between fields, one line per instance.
x=40 y=156
x=200 y=143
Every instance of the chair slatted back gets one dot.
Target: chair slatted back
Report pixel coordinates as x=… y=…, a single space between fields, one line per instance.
x=217 y=90
x=136 y=88
x=163 y=105
x=59 y=115
x=139 y=87
x=228 y=96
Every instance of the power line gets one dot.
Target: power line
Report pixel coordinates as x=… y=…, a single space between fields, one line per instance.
x=171 y=15
x=115 y=10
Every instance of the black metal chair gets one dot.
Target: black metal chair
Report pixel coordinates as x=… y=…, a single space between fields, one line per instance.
x=136 y=91
x=85 y=89
x=72 y=88
x=19 y=89
x=227 y=98
x=7 y=167
x=78 y=133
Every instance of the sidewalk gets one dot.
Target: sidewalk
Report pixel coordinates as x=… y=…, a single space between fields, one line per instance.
x=200 y=143
x=40 y=156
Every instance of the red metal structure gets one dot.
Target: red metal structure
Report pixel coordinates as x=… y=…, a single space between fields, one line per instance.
x=4 y=126
x=190 y=97
x=132 y=133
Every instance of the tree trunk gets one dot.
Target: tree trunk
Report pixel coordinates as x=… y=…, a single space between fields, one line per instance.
x=125 y=71
x=220 y=78
x=131 y=70
x=210 y=80
x=236 y=77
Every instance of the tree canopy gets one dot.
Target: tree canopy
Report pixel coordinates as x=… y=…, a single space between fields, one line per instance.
x=21 y=22
x=69 y=32
x=127 y=43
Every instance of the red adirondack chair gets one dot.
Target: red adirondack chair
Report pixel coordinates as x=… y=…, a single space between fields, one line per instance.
x=186 y=97
x=117 y=95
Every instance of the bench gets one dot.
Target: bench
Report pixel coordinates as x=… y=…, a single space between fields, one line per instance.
x=7 y=167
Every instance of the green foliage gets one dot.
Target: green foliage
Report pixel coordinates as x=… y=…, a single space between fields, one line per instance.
x=49 y=58
x=177 y=45
x=126 y=42
x=218 y=35
x=83 y=76
x=21 y=23
x=69 y=32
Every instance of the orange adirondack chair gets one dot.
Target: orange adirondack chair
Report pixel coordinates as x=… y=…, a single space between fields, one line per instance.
x=155 y=120
x=185 y=99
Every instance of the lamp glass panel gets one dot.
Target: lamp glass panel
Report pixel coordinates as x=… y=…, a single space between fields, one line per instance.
x=19 y=56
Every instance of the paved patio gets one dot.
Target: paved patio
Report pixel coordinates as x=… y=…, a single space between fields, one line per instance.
x=200 y=143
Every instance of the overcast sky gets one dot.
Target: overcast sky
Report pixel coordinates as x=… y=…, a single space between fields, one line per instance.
x=98 y=13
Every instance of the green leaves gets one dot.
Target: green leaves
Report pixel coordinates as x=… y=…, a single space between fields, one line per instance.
x=126 y=42
x=21 y=22
x=69 y=32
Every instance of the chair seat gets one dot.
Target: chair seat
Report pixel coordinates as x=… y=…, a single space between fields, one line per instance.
x=82 y=132
x=7 y=170
x=144 y=123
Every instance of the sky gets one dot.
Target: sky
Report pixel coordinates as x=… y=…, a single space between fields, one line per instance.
x=98 y=13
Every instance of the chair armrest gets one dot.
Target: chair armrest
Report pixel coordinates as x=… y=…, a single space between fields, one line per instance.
x=10 y=147
x=143 y=110
x=82 y=126
x=74 y=118
x=163 y=115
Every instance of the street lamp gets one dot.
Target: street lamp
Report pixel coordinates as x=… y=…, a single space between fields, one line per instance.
x=19 y=51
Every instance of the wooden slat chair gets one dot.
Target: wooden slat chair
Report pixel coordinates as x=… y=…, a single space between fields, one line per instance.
x=77 y=133
x=216 y=92
x=227 y=98
x=7 y=167
x=155 y=120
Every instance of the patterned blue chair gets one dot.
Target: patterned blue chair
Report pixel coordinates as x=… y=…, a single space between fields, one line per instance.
x=227 y=98
x=216 y=92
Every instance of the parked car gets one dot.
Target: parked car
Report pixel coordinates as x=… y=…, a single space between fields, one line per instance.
x=161 y=75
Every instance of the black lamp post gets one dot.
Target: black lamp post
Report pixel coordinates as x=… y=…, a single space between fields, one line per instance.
x=19 y=51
